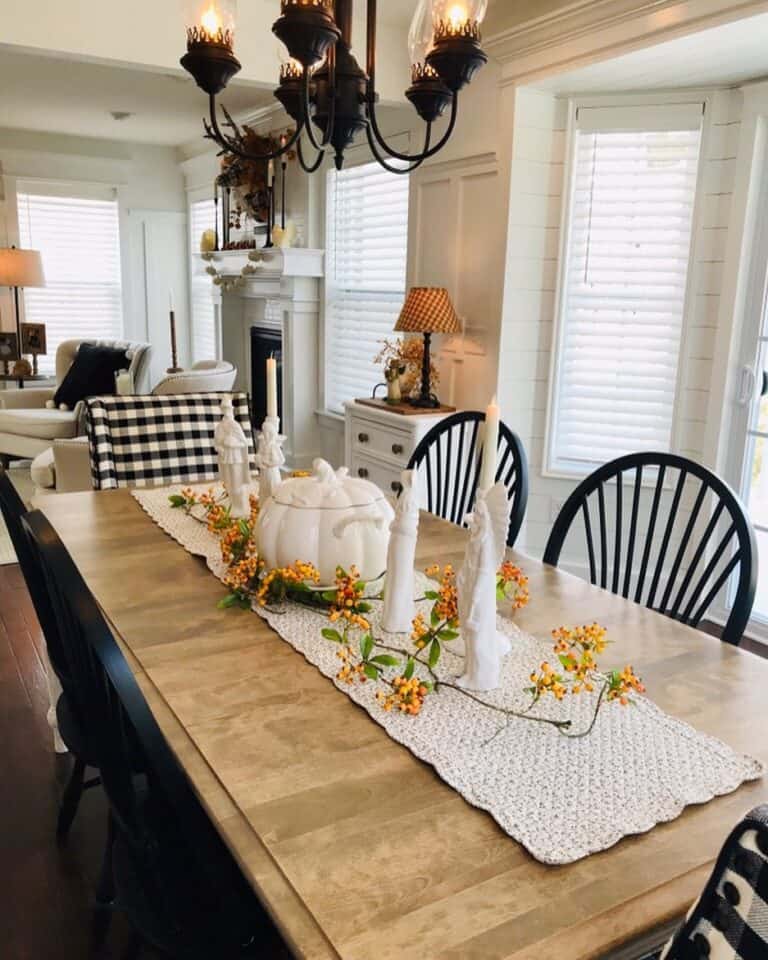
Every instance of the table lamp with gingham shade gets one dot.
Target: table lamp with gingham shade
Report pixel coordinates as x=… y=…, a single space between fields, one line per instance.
x=427 y=310
x=20 y=268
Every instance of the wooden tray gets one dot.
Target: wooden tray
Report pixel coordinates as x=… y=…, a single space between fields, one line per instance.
x=403 y=408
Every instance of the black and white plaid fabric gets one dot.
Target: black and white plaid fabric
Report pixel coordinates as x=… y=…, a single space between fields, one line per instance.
x=730 y=920
x=141 y=441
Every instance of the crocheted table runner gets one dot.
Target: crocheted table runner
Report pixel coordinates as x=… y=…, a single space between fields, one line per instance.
x=562 y=798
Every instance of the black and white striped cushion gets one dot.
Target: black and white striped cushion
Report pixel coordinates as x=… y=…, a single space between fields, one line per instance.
x=140 y=441
x=730 y=919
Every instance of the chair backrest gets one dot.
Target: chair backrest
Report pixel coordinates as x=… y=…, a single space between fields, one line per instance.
x=139 y=365
x=666 y=532
x=13 y=510
x=141 y=441
x=124 y=736
x=728 y=920
x=448 y=461
x=206 y=376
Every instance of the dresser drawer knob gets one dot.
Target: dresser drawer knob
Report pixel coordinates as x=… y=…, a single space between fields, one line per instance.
x=362 y=472
x=397 y=487
x=363 y=437
x=397 y=448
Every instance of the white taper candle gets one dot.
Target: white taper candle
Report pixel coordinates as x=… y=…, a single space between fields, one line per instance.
x=490 y=441
x=271 y=387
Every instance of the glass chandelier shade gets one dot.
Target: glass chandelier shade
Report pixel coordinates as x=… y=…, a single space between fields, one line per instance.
x=458 y=17
x=211 y=21
x=420 y=38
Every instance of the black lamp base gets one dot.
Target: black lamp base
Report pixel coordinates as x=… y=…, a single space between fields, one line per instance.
x=427 y=403
x=425 y=399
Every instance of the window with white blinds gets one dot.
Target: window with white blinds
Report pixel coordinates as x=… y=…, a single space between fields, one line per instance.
x=623 y=283
x=205 y=339
x=79 y=240
x=367 y=227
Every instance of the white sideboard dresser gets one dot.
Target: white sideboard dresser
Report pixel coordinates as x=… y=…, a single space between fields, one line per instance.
x=378 y=443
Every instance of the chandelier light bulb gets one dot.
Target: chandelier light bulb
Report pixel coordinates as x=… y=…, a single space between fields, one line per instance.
x=459 y=17
x=211 y=21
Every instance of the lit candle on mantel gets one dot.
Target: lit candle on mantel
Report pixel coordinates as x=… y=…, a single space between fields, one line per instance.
x=490 y=442
x=272 y=387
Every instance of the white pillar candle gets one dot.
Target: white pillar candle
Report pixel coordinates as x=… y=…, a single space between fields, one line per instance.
x=170 y=300
x=271 y=173
x=271 y=387
x=491 y=439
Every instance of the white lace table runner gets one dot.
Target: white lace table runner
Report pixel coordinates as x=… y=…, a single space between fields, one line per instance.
x=562 y=798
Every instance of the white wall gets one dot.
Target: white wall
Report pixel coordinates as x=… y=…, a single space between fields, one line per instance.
x=150 y=193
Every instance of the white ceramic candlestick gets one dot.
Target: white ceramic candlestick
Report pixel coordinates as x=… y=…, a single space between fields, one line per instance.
x=490 y=442
x=270 y=458
x=484 y=647
x=234 y=470
x=399 y=608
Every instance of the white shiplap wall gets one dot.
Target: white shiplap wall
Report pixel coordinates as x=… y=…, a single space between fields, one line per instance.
x=536 y=201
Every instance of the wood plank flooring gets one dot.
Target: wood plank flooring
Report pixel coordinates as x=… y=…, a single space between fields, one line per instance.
x=46 y=904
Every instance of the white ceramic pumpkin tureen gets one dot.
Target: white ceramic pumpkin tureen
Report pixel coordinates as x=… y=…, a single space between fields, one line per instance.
x=328 y=519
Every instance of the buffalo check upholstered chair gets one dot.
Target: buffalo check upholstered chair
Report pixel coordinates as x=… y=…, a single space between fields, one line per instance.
x=153 y=441
x=729 y=921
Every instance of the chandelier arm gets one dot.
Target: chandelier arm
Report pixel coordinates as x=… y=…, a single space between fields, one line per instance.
x=427 y=151
x=307 y=106
x=213 y=132
x=382 y=160
x=309 y=168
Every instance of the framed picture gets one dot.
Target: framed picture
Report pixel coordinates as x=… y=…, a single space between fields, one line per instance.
x=33 y=338
x=9 y=347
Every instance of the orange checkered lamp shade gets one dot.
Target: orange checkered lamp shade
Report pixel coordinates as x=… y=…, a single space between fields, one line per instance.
x=428 y=310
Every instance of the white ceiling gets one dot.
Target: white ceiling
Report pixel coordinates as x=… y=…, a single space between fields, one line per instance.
x=63 y=96
x=721 y=56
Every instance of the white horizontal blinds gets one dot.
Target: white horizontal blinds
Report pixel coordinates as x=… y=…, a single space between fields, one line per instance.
x=202 y=216
x=624 y=283
x=79 y=241
x=367 y=243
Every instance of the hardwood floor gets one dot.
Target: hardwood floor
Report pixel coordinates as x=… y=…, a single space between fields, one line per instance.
x=46 y=905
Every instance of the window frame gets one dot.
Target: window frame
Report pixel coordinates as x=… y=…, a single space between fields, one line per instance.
x=196 y=195
x=106 y=190
x=551 y=466
x=356 y=156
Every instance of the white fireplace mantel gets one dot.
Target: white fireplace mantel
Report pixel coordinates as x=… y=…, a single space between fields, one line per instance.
x=283 y=292
x=291 y=262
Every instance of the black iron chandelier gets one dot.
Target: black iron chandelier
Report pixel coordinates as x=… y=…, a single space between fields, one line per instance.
x=323 y=88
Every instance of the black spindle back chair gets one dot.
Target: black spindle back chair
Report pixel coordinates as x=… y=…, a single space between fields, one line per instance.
x=696 y=536
x=448 y=460
x=172 y=874
x=72 y=728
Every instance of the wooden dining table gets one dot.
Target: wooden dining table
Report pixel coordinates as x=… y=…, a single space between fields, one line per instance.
x=357 y=849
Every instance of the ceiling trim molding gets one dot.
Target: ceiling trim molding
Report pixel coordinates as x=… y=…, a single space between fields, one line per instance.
x=586 y=31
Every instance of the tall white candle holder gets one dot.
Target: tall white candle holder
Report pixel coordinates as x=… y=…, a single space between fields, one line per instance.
x=484 y=647
x=399 y=606
x=270 y=457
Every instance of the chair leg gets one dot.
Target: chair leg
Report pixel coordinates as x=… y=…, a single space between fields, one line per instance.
x=105 y=890
x=134 y=949
x=71 y=799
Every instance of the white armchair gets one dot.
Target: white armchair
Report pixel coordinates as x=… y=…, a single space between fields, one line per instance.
x=28 y=427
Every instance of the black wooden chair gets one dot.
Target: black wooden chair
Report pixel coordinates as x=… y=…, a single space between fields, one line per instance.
x=728 y=920
x=165 y=865
x=448 y=459
x=696 y=536
x=72 y=729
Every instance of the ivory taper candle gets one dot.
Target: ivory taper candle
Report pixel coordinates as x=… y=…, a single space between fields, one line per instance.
x=271 y=387
x=490 y=441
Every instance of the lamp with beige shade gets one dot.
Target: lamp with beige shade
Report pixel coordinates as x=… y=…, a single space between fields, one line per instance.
x=427 y=310
x=19 y=269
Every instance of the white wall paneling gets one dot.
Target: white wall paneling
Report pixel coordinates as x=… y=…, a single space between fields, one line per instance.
x=157 y=243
